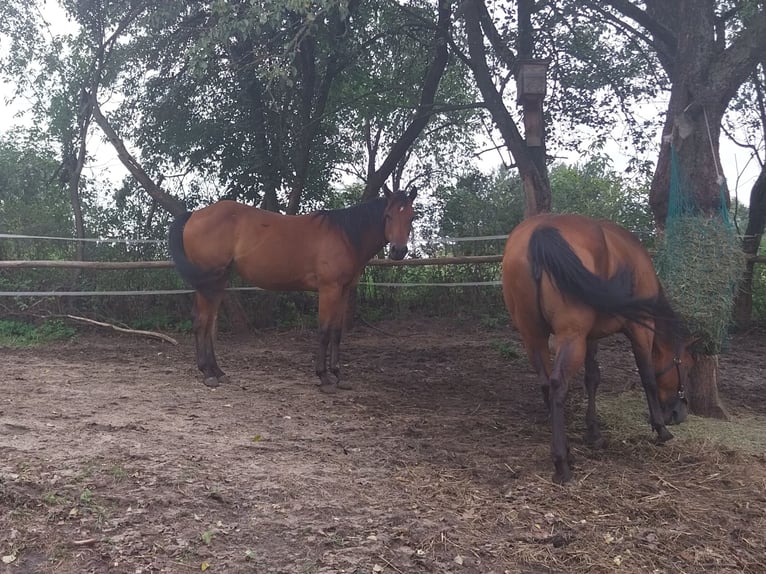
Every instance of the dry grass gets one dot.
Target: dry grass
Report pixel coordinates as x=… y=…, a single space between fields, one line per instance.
x=633 y=507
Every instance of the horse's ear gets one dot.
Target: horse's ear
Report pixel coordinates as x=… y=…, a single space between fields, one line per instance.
x=386 y=191
x=413 y=193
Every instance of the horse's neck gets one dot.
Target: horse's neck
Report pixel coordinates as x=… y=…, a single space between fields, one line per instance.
x=372 y=242
x=368 y=233
x=666 y=334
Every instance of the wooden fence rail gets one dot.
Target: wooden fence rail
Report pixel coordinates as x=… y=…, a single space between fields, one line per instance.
x=480 y=259
x=465 y=260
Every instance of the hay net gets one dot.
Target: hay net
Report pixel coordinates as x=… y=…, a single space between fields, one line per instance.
x=699 y=261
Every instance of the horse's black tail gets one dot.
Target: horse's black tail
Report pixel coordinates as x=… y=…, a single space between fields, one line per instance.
x=200 y=279
x=549 y=252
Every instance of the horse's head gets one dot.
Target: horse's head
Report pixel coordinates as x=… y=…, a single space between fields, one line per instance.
x=397 y=219
x=672 y=365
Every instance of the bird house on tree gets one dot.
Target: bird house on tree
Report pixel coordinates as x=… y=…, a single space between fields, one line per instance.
x=531 y=82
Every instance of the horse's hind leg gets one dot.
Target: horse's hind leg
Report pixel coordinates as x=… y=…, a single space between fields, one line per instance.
x=569 y=358
x=539 y=357
x=592 y=381
x=205 y=323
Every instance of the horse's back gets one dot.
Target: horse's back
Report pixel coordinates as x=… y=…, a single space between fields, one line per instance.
x=213 y=235
x=604 y=248
x=269 y=250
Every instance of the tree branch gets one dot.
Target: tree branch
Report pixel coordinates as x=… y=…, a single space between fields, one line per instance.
x=736 y=62
x=664 y=39
x=172 y=204
x=425 y=107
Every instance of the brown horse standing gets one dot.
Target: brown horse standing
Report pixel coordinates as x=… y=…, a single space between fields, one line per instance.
x=582 y=279
x=324 y=251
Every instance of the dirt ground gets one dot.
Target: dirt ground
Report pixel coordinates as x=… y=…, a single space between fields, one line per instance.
x=115 y=458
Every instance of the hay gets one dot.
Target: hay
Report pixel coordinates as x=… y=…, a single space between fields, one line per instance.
x=700 y=262
x=625 y=415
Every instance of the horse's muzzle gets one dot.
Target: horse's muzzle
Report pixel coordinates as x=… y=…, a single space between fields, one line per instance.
x=397 y=253
x=675 y=413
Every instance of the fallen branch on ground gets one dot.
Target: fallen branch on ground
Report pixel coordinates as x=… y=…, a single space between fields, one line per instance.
x=124 y=330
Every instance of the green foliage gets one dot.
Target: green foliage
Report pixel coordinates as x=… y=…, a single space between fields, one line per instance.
x=759 y=292
x=30 y=203
x=484 y=205
x=595 y=189
x=478 y=205
x=270 y=98
x=20 y=334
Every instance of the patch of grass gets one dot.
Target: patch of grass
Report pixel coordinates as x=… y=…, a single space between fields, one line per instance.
x=118 y=472
x=86 y=496
x=626 y=415
x=207 y=536
x=507 y=350
x=54 y=499
x=491 y=322
x=15 y=333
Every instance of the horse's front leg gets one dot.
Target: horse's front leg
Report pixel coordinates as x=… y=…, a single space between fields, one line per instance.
x=592 y=381
x=335 y=338
x=325 y=383
x=331 y=311
x=641 y=341
x=646 y=372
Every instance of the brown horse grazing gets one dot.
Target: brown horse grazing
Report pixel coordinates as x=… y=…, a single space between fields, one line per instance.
x=582 y=279
x=324 y=251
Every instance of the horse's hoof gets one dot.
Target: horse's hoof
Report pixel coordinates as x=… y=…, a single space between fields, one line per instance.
x=224 y=380
x=345 y=385
x=595 y=440
x=598 y=443
x=211 y=382
x=663 y=435
x=562 y=477
x=329 y=389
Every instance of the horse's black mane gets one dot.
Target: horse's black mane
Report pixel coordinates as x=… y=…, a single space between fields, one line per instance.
x=356 y=220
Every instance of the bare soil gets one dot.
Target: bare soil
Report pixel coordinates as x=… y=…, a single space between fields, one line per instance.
x=115 y=458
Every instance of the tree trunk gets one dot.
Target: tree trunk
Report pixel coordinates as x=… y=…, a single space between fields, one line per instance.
x=702 y=391
x=706 y=68
x=694 y=133
x=535 y=180
x=268 y=161
x=743 y=305
x=692 y=127
x=79 y=225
